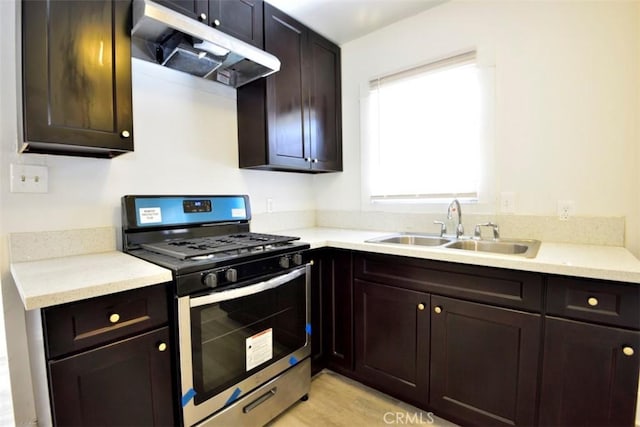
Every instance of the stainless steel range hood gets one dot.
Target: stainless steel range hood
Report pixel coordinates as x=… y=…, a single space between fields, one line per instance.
x=163 y=36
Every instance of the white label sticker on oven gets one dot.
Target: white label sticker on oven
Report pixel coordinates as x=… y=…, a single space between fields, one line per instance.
x=150 y=215
x=259 y=348
x=238 y=213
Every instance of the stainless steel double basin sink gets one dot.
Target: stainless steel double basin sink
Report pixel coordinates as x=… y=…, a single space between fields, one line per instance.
x=517 y=247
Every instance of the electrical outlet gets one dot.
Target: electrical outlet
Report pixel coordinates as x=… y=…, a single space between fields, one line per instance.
x=566 y=209
x=508 y=202
x=29 y=179
x=269 y=205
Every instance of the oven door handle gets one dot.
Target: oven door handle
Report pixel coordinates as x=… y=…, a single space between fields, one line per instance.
x=230 y=294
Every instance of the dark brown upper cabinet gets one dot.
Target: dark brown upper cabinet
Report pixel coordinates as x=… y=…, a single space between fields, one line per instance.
x=240 y=18
x=76 y=77
x=291 y=121
x=325 y=105
x=195 y=9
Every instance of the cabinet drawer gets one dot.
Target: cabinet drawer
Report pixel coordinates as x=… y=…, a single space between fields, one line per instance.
x=88 y=323
x=611 y=303
x=509 y=288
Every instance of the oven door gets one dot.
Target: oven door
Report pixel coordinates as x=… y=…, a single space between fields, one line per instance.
x=234 y=340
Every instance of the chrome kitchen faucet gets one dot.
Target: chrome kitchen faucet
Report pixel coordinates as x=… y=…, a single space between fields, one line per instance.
x=454 y=207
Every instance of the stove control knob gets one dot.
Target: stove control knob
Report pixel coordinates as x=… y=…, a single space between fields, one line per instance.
x=284 y=262
x=231 y=275
x=210 y=280
x=297 y=259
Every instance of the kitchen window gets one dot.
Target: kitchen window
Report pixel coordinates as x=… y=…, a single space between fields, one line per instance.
x=425 y=133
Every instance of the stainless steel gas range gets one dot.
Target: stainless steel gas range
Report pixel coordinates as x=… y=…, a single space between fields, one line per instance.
x=241 y=308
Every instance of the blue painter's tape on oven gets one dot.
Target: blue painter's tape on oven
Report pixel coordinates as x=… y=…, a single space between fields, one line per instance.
x=308 y=328
x=234 y=396
x=293 y=360
x=188 y=396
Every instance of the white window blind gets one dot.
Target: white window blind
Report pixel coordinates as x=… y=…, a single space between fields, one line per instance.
x=424 y=131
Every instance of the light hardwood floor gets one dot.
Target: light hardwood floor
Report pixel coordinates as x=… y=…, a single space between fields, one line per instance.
x=338 y=401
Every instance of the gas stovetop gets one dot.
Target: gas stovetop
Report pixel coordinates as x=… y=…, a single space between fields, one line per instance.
x=204 y=236
x=207 y=247
x=196 y=233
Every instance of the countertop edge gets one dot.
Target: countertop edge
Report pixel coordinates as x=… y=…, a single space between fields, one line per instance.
x=129 y=273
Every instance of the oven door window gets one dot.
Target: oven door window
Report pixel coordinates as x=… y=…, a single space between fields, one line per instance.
x=231 y=340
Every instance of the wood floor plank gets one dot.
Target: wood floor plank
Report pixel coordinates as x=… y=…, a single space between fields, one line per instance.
x=336 y=401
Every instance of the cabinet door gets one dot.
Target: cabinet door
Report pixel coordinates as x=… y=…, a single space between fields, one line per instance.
x=195 y=9
x=325 y=104
x=318 y=303
x=287 y=94
x=125 y=383
x=484 y=362
x=589 y=374
x=239 y=18
x=392 y=340
x=331 y=310
x=77 y=77
x=337 y=281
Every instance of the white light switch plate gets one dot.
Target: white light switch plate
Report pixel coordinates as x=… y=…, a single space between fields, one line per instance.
x=508 y=202
x=29 y=179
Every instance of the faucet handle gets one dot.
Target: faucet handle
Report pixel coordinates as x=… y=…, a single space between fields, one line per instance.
x=496 y=230
x=443 y=227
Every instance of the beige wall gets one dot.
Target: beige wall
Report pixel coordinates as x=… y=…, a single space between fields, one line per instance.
x=566 y=103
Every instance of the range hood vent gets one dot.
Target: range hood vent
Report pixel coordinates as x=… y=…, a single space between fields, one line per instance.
x=166 y=37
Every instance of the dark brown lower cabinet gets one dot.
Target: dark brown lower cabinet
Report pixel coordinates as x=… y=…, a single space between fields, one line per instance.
x=392 y=340
x=318 y=311
x=331 y=310
x=589 y=374
x=484 y=362
x=489 y=347
x=126 y=383
x=338 y=285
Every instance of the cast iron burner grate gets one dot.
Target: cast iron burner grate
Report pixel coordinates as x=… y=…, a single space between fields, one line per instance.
x=209 y=246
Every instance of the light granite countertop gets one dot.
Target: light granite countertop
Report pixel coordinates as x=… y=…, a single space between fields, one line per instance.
x=591 y=261
x=47 y=282
x=54 y=281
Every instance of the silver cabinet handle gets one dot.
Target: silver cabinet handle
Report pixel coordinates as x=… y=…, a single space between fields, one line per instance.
x=592 y=301
x=125 y=134
x=420 y=306
x=162 y=346
x=314 y=160
x=216 y=23
x=628 y=351
x=202 y=17
x=437 y=309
